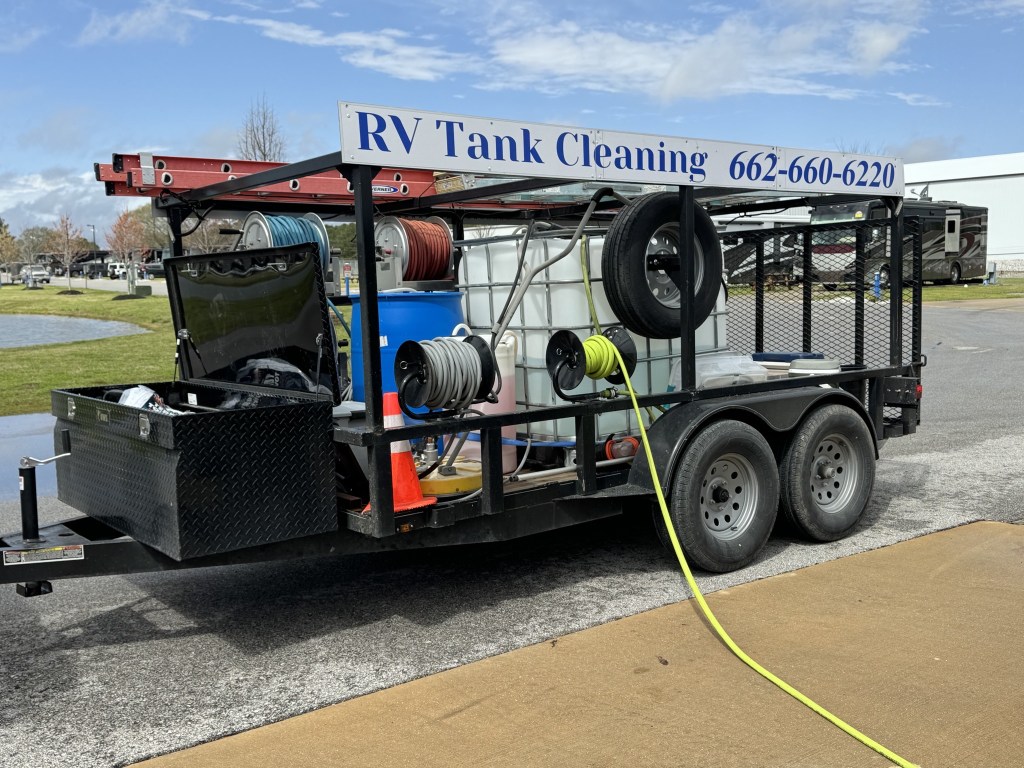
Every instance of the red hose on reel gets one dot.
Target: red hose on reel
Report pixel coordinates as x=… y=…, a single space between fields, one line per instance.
x=429 y=249
x=423 y=245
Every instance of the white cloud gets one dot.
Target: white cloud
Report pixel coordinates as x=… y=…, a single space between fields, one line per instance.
x=390 y=51
x=782 y=47
x=925 y=148
x=13 y=40
x=38 y=199
x=990 y=7
x=919 y=99
x=151 y=19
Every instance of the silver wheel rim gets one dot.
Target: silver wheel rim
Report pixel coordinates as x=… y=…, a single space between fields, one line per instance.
x=835 y=474
x=665 y=242
x=729 y=495
x=954 y=274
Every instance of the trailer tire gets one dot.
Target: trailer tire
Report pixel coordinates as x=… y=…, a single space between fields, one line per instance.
x=827 y=473
x=647 y=301
x=725 y=495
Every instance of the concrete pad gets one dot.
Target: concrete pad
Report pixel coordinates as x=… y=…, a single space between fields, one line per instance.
x=914 y=644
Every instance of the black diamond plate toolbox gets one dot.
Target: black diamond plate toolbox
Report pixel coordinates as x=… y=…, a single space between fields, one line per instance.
x=198 y=483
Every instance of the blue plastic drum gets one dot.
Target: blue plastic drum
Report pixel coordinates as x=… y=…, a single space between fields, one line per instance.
x=403 y=316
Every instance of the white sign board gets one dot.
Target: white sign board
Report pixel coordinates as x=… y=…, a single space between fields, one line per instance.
x=408 y=138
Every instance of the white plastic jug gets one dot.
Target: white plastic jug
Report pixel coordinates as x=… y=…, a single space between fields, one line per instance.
x=505 y=355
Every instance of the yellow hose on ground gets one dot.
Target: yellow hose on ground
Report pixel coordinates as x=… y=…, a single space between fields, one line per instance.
x=606 y=356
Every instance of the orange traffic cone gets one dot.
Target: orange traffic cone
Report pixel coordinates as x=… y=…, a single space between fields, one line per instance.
x=404 y=482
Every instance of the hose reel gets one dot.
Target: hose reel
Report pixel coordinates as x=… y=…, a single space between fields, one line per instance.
x=423 y=247
x=450 y=373
x=569 y=360
x=271 y=231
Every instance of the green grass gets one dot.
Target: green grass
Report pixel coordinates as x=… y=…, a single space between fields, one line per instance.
x=27 y=374
x=1007 y=288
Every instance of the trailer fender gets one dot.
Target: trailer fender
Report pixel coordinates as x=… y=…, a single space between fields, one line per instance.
x=774 y=414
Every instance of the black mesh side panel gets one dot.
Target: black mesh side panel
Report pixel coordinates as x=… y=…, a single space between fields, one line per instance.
x=202 y=483
x=825 y=289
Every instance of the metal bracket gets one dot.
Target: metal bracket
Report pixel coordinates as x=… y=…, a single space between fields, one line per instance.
x=29 y=461
x=148 y=171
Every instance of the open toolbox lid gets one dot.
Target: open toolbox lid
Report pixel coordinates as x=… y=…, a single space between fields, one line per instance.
x=255 y=320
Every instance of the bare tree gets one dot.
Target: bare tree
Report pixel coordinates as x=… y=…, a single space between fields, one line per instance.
x=66 y=242
x=127 y=238
x=157 y=233
x=855 y=147
x=207 y=237
x=260 y=137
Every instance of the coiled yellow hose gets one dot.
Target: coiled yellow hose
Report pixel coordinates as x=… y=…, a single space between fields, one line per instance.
x=604 y=349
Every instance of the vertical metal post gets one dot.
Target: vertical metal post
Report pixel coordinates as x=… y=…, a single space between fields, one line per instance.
x=29 y=504
x=491 y=477
x=918 y=269
x=860 y=257
x=759 y=295
x=458 y=234
x=586 y=454
x=687 y=337
x=174 y=218
x=379 y=459
x=895 y=206
x=807 y=296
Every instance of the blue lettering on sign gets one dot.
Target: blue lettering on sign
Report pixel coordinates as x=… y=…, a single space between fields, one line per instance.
x=366 y=132
x=403 y=134
x=560 y=148
x=530 y=153
x=449 y=135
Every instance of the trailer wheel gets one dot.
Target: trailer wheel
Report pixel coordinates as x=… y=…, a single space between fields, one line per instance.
x=646 y=300
x=827 y=473
x=725 y=495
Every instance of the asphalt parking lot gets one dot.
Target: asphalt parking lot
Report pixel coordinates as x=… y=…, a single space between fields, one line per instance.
x=110 y=670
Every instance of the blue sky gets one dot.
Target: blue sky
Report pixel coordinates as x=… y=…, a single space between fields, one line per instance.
x=83 y=79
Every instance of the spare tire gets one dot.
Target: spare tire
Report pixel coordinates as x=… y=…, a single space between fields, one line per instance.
x=647 y=301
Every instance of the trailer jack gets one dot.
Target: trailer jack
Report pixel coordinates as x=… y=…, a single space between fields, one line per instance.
x=30 y=517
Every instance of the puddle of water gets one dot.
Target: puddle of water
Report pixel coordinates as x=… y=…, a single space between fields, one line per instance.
x=30 y=330
x=30 y=434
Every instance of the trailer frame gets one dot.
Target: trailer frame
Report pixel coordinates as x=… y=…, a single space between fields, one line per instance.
x=591 y=491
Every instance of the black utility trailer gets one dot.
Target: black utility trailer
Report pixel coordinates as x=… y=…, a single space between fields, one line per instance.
x=253 y=452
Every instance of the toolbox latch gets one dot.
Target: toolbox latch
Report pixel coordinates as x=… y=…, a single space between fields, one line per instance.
x=143 y=425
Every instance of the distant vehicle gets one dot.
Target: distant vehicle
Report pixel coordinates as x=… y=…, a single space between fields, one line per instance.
x=117 y=270
x=739 y=257
x=34 y=274
x=953 y=243
x=154 y=268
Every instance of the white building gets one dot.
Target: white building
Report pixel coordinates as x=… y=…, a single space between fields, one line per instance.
x=993 y=181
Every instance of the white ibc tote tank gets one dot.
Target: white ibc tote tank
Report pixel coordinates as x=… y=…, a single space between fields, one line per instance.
x=556 y=300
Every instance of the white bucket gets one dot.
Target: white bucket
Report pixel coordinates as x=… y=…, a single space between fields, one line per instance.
x=505 y=355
